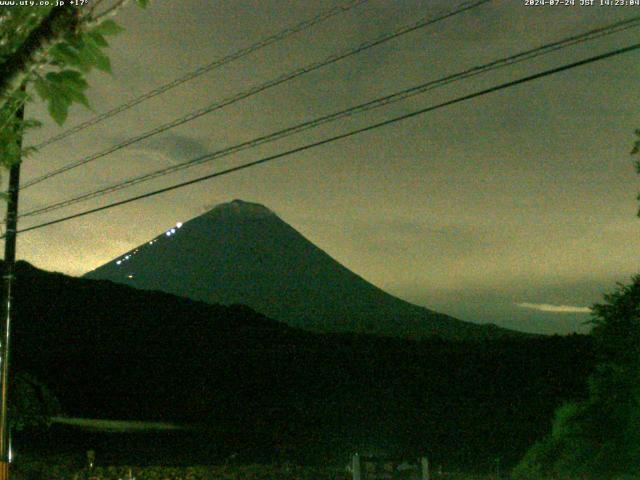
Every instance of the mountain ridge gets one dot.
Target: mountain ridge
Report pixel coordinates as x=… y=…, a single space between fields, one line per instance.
x=243 y=253
x=269 y=391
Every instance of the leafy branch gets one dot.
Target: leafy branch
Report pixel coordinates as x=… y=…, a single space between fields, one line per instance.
x=51 y=49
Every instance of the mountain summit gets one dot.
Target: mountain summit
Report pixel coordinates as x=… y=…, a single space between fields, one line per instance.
x=241 y=208
x=243 y=253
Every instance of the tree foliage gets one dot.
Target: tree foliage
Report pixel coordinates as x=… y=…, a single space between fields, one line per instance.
x=31 y=403
x=49 y=49
x=636 y=151
x=600 y=437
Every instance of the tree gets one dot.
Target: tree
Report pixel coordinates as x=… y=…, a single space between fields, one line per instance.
x=32 y=404
x=51 y=48
x=599 y=438
x=636 y=151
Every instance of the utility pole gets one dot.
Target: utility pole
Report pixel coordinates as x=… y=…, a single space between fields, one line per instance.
x=8 y=278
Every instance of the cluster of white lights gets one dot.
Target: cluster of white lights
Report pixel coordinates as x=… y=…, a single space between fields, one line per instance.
x=171 y=231
x=126 y=257
x=168 y=233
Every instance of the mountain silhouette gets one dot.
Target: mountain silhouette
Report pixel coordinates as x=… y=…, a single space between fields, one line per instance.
x=246 y=384
x=243 y=253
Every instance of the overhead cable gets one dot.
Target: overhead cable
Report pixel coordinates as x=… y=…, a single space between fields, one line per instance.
x=377 y=103
x=287 y=32
x=332 y=139
x=258 y=89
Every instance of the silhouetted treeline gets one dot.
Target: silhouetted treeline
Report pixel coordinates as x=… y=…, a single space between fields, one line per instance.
x=265 y=391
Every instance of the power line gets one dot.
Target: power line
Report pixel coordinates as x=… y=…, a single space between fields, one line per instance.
x=342 y=136
x=260 y=88
x=287 y=32
x=379 y=102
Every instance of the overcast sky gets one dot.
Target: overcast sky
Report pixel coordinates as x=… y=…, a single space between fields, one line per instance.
x=517 y=207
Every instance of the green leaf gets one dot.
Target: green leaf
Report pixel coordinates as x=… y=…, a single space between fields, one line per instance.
x=57 y=87
x=142 y=3
x=73 y=78
x=103 y=63
x=95 y=55
x=12 y=149
x=53 y=77
x=58 y=109
x=65 y=54
x=42 y=88
x=87 y=61
x=68 y=86
x=78 y=97
x=98 y=38
x=88 y=51
x=108 y=27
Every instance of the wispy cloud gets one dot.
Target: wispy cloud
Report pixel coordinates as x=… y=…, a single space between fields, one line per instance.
x=545 y=307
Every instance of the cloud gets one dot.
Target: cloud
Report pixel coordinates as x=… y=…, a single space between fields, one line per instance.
x=545 y=307
x=175 y=147
x=178 y=147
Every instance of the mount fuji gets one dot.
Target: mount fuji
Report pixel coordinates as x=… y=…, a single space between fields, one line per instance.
x=243 y=253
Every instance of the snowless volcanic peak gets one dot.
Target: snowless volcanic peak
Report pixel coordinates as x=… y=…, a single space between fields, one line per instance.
x=240 y=207
x=243 y=253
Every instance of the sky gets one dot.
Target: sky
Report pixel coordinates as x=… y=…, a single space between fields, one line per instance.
x=517 y=207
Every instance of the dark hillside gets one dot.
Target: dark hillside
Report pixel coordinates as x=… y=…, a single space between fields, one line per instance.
x=259 y=387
